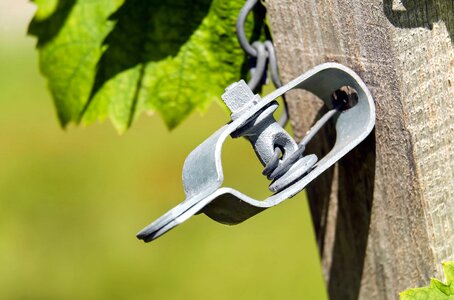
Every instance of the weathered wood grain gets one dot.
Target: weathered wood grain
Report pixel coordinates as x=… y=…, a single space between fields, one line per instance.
x=387 y=222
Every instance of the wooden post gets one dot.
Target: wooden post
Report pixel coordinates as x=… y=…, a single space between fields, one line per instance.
x=384 y=218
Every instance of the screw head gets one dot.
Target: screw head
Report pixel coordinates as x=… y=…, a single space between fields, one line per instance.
x=237 y=96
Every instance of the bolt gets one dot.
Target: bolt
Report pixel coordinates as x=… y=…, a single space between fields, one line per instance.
x=238 y=96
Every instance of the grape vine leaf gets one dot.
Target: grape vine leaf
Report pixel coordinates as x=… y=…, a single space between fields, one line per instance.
x=437 y=290
x=119 y=58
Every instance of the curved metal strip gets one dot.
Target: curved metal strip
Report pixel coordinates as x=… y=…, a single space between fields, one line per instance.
x=202 y=171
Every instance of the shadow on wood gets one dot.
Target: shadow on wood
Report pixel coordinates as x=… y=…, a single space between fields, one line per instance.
x=420 y=13
x=346 y=201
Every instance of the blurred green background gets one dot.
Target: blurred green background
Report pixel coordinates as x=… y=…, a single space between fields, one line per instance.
x=71 y=202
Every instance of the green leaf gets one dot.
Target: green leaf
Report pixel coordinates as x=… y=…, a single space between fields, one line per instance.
x=118 y=58
x=437 y=289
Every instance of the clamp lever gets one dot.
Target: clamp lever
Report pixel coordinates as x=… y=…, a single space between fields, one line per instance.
x=252 y=118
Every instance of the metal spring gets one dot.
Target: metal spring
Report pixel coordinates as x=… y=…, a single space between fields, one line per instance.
x=342 y=99
x=277 y=168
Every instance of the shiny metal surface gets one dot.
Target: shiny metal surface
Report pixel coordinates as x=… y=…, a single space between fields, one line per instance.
x=202 y=171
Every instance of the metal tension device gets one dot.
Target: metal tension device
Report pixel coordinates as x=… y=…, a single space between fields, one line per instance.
x=252 y=117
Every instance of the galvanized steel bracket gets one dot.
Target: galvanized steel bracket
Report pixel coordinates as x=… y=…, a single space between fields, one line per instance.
x=202 y=171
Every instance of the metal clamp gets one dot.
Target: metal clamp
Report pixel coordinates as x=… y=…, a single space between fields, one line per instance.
x=252 y=118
